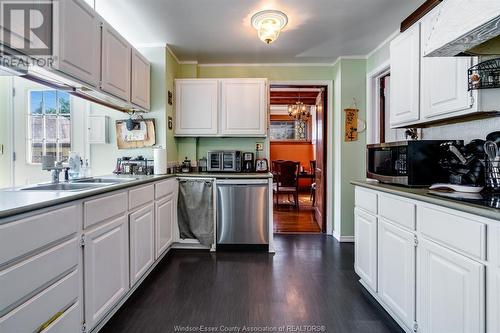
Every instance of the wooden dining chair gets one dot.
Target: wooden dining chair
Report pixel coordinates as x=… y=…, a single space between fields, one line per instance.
x=287 y=181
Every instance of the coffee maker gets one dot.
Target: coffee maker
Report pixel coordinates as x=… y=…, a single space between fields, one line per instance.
x=248 y=162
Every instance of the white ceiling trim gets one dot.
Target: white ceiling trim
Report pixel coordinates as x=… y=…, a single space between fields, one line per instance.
x=381 y=45
x=293 y=64
x=173 y=54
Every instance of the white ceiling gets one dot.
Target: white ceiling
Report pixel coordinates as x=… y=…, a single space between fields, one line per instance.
x=219 y=31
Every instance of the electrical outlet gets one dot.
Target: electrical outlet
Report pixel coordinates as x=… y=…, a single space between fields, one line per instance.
x=259 y=146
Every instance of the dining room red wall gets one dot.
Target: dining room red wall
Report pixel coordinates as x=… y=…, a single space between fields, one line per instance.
x=300 y=152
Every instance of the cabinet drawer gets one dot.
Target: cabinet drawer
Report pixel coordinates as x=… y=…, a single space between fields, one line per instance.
x=366 y=199
x=23 y=236
x=101 y=209
x=27 y=277
x=397 y=211
x=140 y=196
x=31 y=315
x=165 y=188
x=69 y=321
x=461 y=233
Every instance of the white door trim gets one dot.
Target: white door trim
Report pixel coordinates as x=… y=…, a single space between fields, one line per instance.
x=329 y=143
x=373 y=101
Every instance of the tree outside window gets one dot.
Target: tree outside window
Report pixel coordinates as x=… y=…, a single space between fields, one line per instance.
x=49 y=125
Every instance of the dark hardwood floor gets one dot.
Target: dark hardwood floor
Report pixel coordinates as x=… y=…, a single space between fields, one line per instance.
x=309 y=281
x=287 y=219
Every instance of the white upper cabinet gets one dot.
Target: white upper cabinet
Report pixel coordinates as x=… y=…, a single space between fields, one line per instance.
x=244 y=107
x=116 y=63
x=451 y=291
x=396 y=270
x=197 y=106
x=444 y=88
x=459 y=18
x=141 y=80
x=365 y=247
x=405 y=77
x=79 y=41
x=221 y=107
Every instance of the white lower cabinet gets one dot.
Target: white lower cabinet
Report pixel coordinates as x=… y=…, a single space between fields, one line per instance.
x=164 y=220
x=396 y=270
x=142 y=255
x=451 y=291
x=106 y=267
x=365 y=261
x=432 y=278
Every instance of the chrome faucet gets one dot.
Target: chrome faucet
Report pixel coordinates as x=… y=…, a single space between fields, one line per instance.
x=56 y=171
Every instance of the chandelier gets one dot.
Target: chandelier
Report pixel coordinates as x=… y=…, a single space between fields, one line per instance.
x=299 y=111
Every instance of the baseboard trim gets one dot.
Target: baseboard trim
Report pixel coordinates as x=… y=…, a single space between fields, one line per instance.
x=344 y=239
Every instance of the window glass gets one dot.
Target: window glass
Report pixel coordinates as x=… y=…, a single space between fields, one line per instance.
x=49 y=125
x=50 y=102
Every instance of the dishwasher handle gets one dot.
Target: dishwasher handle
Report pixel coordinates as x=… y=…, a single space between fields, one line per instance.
x=242 y=182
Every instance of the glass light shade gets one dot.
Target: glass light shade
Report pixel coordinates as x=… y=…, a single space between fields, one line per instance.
x=269 y=24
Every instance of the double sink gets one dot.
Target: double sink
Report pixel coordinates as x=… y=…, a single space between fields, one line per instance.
x=78 y=184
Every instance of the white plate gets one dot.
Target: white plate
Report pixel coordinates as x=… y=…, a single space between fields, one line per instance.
x=457 y=188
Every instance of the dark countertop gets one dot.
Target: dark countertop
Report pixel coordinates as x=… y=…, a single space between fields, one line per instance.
x=14 y=202
x=422 y=194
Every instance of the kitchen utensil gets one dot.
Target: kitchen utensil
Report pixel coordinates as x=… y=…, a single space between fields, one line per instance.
x=491 y=150
x=494 y=136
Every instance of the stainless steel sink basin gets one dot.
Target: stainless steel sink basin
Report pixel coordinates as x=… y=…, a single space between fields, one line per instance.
x=61 y=187
x=103 y=180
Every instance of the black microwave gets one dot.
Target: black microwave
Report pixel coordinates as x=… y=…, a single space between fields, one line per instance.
x=409 y=163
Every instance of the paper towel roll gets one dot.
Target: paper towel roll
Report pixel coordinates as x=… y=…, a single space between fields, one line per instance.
x=160 y=160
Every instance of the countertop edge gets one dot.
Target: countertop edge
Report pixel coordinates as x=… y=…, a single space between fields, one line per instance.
x=74 y=196
x=489 y=213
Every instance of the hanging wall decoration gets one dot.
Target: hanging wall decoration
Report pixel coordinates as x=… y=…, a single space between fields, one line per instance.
x=351 y=124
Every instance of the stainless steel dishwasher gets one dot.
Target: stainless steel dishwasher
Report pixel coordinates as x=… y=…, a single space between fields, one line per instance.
x=242 y=212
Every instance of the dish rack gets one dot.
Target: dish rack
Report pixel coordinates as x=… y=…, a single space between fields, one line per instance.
x=492 y=175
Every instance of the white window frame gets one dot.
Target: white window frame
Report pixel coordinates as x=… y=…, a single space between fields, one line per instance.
x=28 y=136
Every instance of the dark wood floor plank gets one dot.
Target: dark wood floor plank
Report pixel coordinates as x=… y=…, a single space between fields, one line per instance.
x=309 y=281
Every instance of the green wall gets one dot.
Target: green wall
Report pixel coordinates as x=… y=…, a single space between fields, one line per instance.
x=352 y=154
x=349 y=158
x=378 y=57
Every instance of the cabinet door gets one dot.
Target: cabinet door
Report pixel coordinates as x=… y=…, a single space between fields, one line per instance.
x=141 y=242
x=106 y=268
x=244 y=107
x=450 y=291
x=116 y=65
x=396 y=270
x=365 y=247
x=444 y=83
x=405 y=77
x=141 y=80
x=196 y=107
x=164 y=220
x=97 y=130
x=79 y=41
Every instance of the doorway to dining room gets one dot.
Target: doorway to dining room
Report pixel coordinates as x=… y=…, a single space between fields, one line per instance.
x=298 y=157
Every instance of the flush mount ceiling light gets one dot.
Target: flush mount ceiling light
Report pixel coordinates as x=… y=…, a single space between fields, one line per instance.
x=269 y=24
